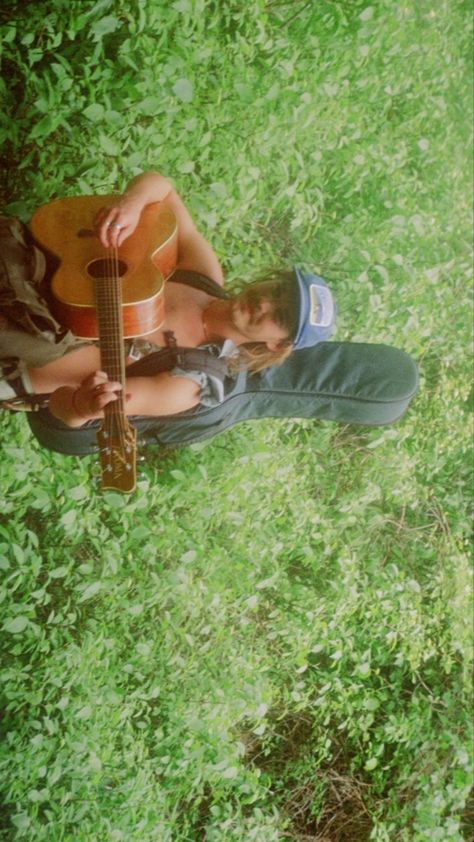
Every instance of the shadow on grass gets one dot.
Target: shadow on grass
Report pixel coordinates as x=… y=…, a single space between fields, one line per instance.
x=467 y=819
x=323 y=804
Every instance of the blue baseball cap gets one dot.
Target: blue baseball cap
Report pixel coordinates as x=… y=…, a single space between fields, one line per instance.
x=317 y=310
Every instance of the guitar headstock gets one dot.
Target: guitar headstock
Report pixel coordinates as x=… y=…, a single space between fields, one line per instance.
x=117 y=453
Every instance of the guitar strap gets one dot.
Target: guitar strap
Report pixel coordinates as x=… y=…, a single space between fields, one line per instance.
x=198 y=281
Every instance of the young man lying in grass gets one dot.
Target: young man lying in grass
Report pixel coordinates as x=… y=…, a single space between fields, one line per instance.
x=257 y=328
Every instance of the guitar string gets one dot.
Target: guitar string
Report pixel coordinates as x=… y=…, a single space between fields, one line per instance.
x=119 y=317
x=123 y=421
x=111 y=326
x=105 y=330
x=118 y=337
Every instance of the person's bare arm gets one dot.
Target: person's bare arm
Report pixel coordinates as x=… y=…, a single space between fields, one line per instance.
x=158 y=395
x=116 y=223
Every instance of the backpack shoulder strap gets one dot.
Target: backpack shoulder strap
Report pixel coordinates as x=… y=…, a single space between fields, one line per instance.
x=189 y=359
x=198 y=281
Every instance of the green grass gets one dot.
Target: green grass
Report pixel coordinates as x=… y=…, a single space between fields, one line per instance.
x=271 y=639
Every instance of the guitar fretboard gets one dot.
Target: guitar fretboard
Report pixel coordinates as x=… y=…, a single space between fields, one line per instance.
x=108 y=292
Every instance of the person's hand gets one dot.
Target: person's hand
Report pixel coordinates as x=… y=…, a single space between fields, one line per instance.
x=95 y=392
x=113 y=225
x=75 y=406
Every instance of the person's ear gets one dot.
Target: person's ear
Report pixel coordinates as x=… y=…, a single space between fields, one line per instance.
x=277 y=345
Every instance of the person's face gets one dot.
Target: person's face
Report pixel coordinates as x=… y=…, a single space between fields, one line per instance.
x=252 y=316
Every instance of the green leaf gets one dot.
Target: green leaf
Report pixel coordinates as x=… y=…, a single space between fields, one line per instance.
x=371 y=703
x=109 y=146
x=45 y=126
x=114 y=500
x=79 y=492
x=91 y=591
x=9 y=34
x=273 y=92
x=100 y=6
x=150 y=105
x=179 y=475
x=104 y=26
x=21 y=821
x=59 y=572
x=19 y=554
x=183 y=89
x=138 y=533
x=219 y=188
x=84 y=712
x=230 y=773
x=16 y=624
x=95 y=762
x=182 y=6
x=244 y=92
x=186 y=167
x=94 y=112
x=69 y=518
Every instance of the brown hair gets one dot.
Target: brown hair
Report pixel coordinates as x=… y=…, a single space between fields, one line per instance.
x=278 y=287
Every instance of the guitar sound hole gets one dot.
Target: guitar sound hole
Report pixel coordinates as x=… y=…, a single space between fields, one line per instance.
x=105 y=268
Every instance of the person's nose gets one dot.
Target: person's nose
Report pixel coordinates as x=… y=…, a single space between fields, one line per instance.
x=264 y=308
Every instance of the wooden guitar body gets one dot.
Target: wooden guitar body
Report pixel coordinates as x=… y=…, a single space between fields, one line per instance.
x=145 y=260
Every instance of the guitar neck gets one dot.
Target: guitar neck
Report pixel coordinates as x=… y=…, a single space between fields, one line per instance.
x=116 y=437
x=108 y=293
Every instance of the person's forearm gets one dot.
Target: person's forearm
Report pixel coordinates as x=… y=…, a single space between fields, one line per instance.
x=161 y=394
x=63 y=404
x=147 y=188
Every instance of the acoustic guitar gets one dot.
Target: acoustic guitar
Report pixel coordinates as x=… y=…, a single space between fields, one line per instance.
x=110 y=295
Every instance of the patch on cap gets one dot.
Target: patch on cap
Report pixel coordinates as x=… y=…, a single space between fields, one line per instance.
x=321 y=306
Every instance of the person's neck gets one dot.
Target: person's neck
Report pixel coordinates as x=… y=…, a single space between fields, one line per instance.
x=217 y=322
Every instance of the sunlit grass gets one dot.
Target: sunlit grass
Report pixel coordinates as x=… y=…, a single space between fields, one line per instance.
x=270 y=640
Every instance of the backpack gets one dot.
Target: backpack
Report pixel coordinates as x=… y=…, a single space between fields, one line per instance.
x=29 y=333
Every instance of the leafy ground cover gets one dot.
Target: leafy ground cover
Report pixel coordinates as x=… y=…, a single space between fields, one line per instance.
x=271 y=639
